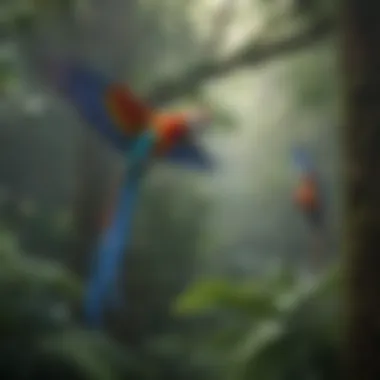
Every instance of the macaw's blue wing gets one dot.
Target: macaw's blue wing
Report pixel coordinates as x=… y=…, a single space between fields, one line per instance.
x=108 y=107
x=190 y=155
x=85 y=90
x=108 y=258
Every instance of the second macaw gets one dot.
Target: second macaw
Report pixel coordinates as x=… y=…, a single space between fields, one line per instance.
x=308 y=197
x=142 y=134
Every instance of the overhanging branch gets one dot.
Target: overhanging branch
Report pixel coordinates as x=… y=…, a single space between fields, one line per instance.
x=252 y=54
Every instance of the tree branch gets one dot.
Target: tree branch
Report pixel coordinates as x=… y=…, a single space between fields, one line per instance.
x=252 y=54
x=220 y=22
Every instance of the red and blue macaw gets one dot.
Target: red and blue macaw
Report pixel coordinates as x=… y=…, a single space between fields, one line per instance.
x=142 y=134
x=308 y=196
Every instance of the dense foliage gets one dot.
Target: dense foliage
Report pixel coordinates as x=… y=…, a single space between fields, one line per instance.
x=276 y=327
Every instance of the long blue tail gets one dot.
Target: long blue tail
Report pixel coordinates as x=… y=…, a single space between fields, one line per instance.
x=116 y=239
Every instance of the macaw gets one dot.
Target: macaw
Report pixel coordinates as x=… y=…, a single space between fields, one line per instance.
x=308 y=197
x=143 y=135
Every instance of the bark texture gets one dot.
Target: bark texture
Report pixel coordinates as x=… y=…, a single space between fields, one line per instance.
x=361 y=26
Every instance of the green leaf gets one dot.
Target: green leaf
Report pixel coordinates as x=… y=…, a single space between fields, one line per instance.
x=210 y=295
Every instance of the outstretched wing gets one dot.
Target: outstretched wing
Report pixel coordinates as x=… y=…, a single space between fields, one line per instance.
x=109 y=107
x=190 y=155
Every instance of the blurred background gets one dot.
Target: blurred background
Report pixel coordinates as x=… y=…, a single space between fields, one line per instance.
x=221 y=280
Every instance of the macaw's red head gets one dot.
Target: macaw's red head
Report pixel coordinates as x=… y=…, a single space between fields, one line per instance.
x=306 y=195
x=176 y=127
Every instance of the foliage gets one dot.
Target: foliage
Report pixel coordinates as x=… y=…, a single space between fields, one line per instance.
x=39 y=336
x=271 y=328
x=276 y=328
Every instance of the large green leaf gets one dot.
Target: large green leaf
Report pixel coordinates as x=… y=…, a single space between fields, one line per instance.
x=210 y=295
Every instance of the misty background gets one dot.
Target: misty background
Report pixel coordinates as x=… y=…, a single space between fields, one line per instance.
x=270 y=74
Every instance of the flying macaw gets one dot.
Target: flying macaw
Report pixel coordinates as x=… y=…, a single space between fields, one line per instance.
x=308 y=197
x=143 y=135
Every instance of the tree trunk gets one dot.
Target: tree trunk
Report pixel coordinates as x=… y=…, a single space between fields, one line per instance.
x=361 y=24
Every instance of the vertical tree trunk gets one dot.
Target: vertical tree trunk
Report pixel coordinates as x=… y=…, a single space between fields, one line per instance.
x=362 y=72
